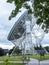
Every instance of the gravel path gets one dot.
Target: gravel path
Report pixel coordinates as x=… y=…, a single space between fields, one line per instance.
x=37 y=62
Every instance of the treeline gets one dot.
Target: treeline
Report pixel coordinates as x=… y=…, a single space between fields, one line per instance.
x=18 y=51
x=41 y=48
x=14 y=50
x=47 y=48
x=3 y=51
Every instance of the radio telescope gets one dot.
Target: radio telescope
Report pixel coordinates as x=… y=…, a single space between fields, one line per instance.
x=21 y=32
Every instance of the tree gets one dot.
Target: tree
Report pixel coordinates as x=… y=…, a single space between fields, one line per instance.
x=47 y=48
x=41 y=11
x=17 y=50
x=10 y=51
x=1 y=52
x=38 y=47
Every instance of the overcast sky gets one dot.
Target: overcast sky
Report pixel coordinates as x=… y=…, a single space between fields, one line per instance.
x=6 y=25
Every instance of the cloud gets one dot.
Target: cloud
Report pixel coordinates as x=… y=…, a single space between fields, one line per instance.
x=6 y=25
x=6 y=46
x=5 y=8
x=45 y=45
x=45 y=41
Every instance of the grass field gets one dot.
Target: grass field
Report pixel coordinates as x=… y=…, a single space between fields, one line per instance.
x=19 y=58
x=11 y=58
x=13 y=64
x=45 y=57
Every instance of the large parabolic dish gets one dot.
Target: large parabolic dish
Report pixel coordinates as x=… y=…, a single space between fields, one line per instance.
x=18 y=29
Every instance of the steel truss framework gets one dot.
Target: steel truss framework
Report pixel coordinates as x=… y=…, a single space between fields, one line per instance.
x=23 y=32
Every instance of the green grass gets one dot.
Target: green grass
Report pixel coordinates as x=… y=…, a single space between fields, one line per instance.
x=45 y=57
x=19 y=58
x=12 y=58
x=13 y=64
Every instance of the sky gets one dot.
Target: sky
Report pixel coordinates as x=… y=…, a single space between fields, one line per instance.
x=6 y=25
